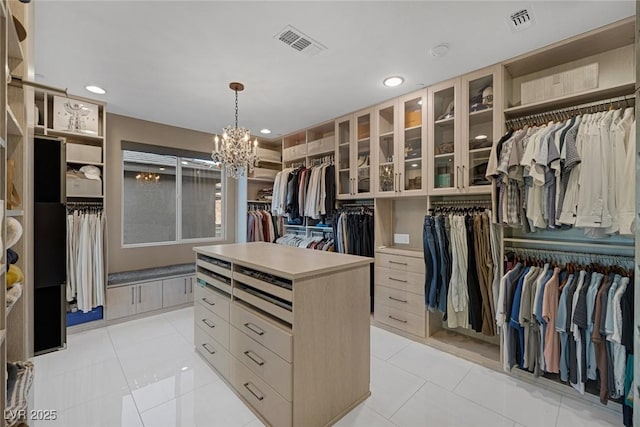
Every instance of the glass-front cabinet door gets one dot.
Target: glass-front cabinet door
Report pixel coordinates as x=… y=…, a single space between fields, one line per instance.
x=388 y=175
x=479 y=129
x=412 y=150
x=445 y=171
x=362 y=181
x=344 y=180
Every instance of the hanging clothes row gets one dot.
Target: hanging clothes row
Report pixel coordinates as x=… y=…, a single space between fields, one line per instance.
x=86 y=249
x=572 y=172
x=320 y=243
x=461 y=256
x=300 y=192
x=569 y=319
x=353 y=230
x=262 y=226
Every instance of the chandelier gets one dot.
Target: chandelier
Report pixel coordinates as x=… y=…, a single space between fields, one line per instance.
x=235 y=150
x=147 y=177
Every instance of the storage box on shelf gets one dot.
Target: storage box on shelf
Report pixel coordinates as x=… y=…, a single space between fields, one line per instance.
x=285 y=336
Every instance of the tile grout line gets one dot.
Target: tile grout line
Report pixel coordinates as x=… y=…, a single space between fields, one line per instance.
x=407 y=401
x=125 y=377
x=460 y=382
x=397 y=352
x=558 y=413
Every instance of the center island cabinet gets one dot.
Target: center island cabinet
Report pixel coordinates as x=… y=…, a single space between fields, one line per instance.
x=288 y=328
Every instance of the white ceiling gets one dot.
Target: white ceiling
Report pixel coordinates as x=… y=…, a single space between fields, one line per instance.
x=171 y=61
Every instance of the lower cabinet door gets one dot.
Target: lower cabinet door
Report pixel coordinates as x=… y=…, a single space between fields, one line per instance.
x=121 y=302
x=176 y=291
x=149 y=296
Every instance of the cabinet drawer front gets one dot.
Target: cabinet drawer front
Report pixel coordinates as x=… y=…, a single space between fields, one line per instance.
x=408 y=322
x=211 y=281
x=214 y=301
x=273 y=369
x=273 y=407
x=401 y=300
x=263 y=330
x=216 y=327
x=212 y=351
x=398 y=262
x=402 y=280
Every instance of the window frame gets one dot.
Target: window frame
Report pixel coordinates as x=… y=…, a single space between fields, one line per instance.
x=178 y=200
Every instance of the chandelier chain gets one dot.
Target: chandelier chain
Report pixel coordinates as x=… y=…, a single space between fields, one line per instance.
x=236 y=108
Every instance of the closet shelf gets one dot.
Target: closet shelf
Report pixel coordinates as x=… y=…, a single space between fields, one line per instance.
x=273 y=162
x=88 y=196
x=82 y=162
x=413 y=127
x=264 y=202
x=74 y=135
x=440 y=156
x=13 y=126
x=480 y=150
x=445 y=122
x=14 y=46
x=569 y=100
x=486 y=112
x=260 y=179
x=383 y=134
x=15 y=212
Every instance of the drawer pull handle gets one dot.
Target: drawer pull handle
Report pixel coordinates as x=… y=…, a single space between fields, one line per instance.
x=257 y=396
x=211 y=325
x=257 y=360
x=206 y=347
x=397 y=280
x=398 y=299
x=207 y=301
x=396 y=319
x=399 y=263
x=253 y=328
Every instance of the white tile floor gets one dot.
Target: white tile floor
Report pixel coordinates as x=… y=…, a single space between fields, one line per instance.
x=146 y=373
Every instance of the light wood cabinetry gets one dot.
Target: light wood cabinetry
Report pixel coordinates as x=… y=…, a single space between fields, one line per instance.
x=464 y=122
x=401 y=146
x=178 y=290
x=142 y=297
x=399 y=290
x=353 y=156
x=297 y=350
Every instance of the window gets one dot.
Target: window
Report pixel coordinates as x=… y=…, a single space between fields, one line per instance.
x=170 y=199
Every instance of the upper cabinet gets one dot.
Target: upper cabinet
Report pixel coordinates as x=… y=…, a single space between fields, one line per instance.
x=481 y=127
x=353 y=155
x=464 y=122
x=401 y=145
x=444 y=129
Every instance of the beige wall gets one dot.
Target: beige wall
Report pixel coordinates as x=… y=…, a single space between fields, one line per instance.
x=129 y=129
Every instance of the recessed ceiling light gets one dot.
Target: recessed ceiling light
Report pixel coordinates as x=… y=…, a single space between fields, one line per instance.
x=184 y=163
x=439 y=50
x=420 y=102
x=481 y=137
x=415 y=165
x=161 y=169
x=95 y=89
x=393 y=81
x=265 y=131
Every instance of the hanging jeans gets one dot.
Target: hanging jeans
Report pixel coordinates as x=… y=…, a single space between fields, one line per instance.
x=445 y=263
x=431 y=262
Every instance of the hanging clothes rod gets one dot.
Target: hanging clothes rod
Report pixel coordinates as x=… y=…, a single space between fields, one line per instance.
x=18 y=81
x=560 y=112
x=570 y=255
x=470 y=202
x=572 y=244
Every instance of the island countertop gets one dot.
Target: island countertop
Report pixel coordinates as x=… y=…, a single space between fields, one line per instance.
x=286 y=261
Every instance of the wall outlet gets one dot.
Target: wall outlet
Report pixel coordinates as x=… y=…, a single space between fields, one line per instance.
x=401 y=239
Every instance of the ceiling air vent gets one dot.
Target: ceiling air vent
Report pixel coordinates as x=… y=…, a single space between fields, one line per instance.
x=521 y=20
x=299 y=41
